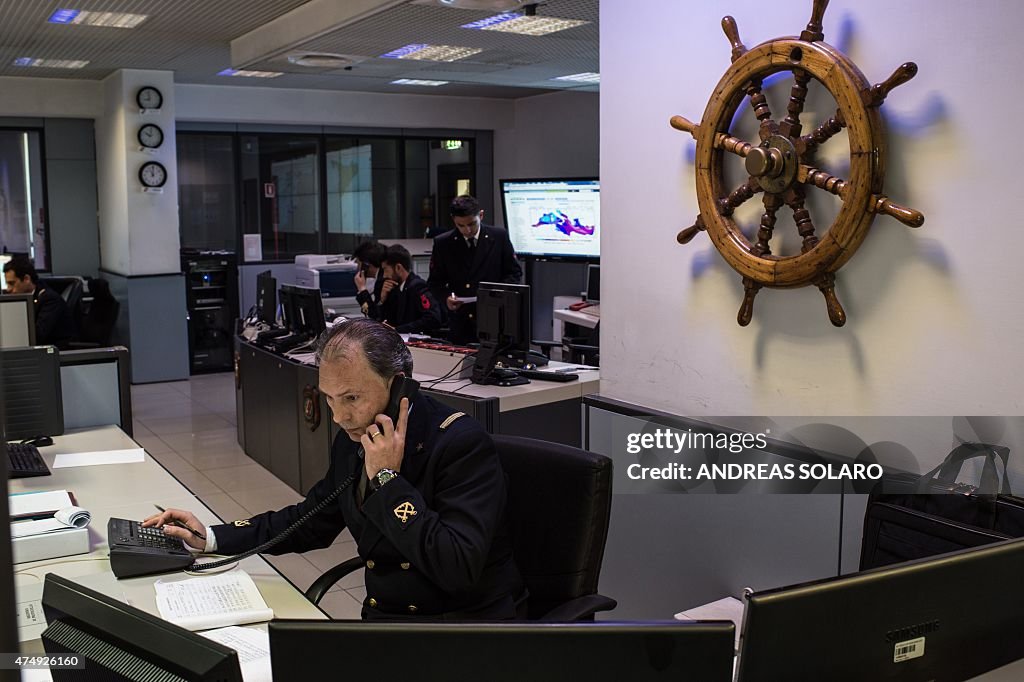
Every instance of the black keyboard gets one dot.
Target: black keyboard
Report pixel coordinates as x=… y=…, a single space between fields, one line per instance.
x=25 y=460
x=560 y=377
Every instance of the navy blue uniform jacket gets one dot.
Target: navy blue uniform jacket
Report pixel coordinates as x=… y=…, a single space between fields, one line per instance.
x=451 y=556
x=413 y=310
x=452 y=271
x=54 y=323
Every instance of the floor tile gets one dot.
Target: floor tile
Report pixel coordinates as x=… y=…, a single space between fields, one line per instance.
x=153 y=444
x=249 y=477
x=295 y=568
x=214 y=440
x=265 y=499
x=327 y=558
x=224 y=507
x=204 y=461
x=340 y=605
x=196 y=482
x=358 y=593
x=193 y=424
x=173 y=462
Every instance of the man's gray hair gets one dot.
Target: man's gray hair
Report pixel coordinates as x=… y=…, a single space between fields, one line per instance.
x=383 y=347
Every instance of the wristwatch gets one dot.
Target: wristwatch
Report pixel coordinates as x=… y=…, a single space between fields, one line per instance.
x=382 y=477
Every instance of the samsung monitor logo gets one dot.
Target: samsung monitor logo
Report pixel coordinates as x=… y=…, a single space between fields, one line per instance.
x=912 y=631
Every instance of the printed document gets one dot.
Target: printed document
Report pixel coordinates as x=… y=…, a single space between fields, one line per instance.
x=213 y=601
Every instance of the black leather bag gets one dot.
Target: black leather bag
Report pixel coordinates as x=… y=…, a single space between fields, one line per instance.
x=913 y=517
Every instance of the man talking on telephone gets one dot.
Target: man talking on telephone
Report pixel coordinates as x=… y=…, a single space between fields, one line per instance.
x=428 y=499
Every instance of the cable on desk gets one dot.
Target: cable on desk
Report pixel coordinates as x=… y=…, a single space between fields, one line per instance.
x=446 y=375
x=28 y=571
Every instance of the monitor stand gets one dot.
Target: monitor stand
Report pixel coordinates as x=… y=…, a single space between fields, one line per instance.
x=517 y=359
x=486 y=373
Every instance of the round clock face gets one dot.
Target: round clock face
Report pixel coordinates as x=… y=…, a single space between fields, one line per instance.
x=153 y=174
x=151 y=136
x=149 y=98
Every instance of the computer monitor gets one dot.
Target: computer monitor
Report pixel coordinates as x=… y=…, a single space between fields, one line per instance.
x=306 y=310
x=266 y=297
x=17 y=321
x=554 y=218
x=504 y=652
x=503 y=326
x=120 y=642
x=949 y=617
x=593 y=283
x=32 y=393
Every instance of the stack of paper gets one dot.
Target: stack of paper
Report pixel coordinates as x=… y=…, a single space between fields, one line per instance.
x=213 y=601
x=253 y=648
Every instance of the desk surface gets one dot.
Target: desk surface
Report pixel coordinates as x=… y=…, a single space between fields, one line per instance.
x=130 y=491
x=577 y=317
x=519 y=397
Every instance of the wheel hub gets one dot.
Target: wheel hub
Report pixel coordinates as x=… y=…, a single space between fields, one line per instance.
x=774 y=163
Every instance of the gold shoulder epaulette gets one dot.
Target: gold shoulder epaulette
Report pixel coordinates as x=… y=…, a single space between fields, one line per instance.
x=451 y=418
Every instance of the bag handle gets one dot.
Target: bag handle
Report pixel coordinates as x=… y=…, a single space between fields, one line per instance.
x=950 y=468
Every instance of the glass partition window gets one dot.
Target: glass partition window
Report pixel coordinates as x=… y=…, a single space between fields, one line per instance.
x=281 y=193
x=22 y=212
x=206 y=191
x=362 y=190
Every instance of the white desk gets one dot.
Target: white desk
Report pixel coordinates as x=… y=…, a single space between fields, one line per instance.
x=129 y=491
x=561 y=315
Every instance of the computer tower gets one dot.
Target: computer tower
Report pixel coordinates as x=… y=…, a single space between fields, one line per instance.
x=211 y=292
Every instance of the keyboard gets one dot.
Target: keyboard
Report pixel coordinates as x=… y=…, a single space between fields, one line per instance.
x=25 y=460
x=560 y=377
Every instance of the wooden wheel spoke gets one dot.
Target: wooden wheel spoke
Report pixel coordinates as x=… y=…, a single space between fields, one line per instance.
x=876 y=204
x=802 y=218
x=790 y=126
x=823 y=180
x=689 y=233
x=822 y=133
x=732 y=144
x=771 y=202
x=727 y=205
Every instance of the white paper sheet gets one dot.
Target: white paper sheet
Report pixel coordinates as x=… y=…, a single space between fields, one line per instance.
x=253 y=647
x=82 y=459
x=44 y=501
x=212 y=601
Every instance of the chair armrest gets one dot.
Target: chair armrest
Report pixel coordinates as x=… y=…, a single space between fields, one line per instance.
x=580 y=608
x=319 y=588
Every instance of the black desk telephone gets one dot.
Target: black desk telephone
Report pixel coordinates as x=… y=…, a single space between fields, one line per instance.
x=135 y=550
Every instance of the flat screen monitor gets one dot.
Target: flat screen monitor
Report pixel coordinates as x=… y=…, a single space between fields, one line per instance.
x=945 y=618
x=33 y=405
x=555 y=218
x=306 y=309
x=503 y=316
x=504 y=652
x=17 y=321
x=266 y=297
x=120 y=642
x=593 y=283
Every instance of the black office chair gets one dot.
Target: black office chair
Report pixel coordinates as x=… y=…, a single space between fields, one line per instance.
x=98 y=322
x=578 y=350
x=559 y=504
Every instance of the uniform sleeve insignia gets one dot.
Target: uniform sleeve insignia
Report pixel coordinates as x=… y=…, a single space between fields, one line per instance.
x=424 y=301
x=405 y=511
x=242 y=523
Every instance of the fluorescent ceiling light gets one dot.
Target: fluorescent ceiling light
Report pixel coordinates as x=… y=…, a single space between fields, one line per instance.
x=250 y=74
x=524 y=25
x=51 y=63
x=107 y=19
x=418 y=81
x=432 y=53
x=586 y=77
x=488 y=5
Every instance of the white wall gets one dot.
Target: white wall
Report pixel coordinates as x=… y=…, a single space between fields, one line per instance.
x=934 y=315
x=238 y=104
x=50 y=97
x=552 y=135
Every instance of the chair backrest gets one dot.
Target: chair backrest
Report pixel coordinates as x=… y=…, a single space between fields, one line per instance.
x=559 y=504
x=98 y=323
x=72 y=290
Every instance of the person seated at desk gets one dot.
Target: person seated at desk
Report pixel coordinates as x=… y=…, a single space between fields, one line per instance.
x=464 y=257
x=406 y=302
x=54 y=324
x=428 y=509
x=369 y=255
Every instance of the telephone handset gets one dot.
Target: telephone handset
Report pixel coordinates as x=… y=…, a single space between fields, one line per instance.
x=401 y=387
x=142 y=551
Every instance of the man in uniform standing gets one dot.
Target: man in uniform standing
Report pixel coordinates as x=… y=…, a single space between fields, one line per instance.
x=464 y=257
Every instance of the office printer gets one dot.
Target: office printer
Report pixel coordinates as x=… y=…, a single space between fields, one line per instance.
x=331 y=274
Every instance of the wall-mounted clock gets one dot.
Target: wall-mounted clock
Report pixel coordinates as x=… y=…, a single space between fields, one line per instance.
x=152 y=174
x=149 y=97
x=151 y=136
